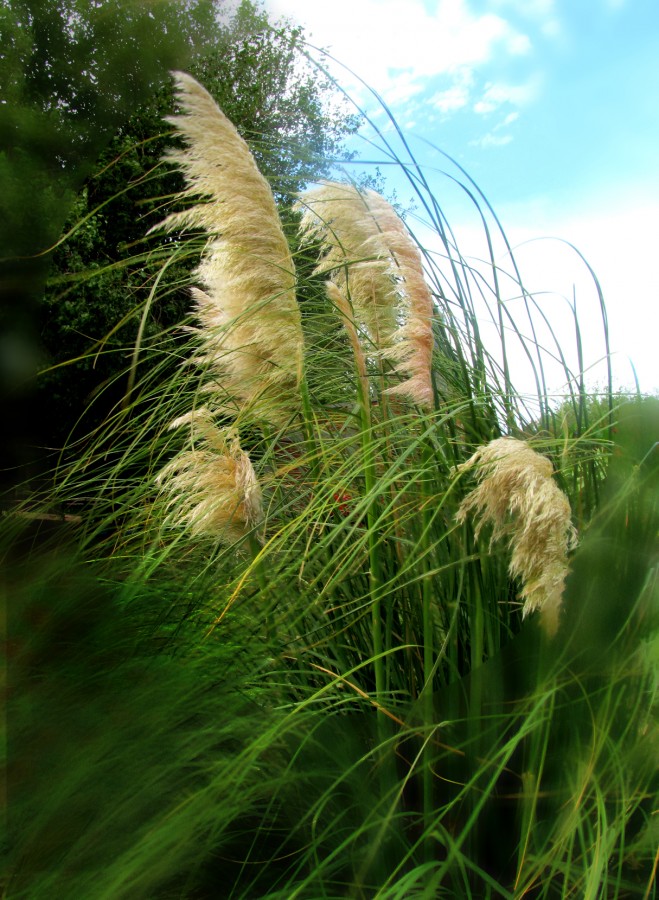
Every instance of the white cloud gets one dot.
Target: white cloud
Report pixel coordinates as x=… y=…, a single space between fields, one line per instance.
x=618 y=241
x=396 y=45
x=451 y=99
x=615 y=235
x=552 y=28
x=496 y=94
x=542 y=13
x=530 y=9
x=491 y=140
x=457 y=95
x=519 y=45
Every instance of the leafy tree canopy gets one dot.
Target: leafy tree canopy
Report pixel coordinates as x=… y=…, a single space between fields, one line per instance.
x=290 y=114
x=70 y=72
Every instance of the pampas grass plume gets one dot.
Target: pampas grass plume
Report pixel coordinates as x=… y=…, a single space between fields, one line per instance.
x=250 y=326
x=518 y=497
x=370 y=256
x=213 y=489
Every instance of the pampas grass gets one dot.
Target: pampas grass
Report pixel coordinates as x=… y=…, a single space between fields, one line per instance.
x=213 y=489
x=352 y=711
x=516 y=495
x=250 y=333
x=370 y=256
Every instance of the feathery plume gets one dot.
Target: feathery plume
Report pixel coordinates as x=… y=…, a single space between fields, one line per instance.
x=213 y=489
x=370 y=256
x=338 y=216
x=250 y=326
x=517 y=496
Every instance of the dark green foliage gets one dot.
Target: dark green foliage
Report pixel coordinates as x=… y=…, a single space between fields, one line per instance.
x=120 y=758
x=70 y=72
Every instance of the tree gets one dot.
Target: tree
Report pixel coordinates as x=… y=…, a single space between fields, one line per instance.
x=295 y=126
x=293 y=118
x=70 y=72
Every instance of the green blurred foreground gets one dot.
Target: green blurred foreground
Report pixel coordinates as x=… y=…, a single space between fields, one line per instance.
x=150 y=757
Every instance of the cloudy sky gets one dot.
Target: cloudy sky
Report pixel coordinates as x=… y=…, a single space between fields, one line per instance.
x=552 y=106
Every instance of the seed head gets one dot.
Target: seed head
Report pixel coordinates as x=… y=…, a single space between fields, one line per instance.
x=213 y=490
x=250 y=331
x=368 y=253
x=518 y=497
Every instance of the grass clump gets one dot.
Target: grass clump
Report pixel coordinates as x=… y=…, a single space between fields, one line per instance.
x=293 y=669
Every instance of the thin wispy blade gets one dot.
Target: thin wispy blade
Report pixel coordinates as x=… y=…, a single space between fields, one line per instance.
x=338 y=299
x=250 y=331
x=518 y=497
x=368 y=253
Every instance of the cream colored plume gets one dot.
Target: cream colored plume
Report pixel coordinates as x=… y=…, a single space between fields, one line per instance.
x=250 y=326
x=369 y=254
x=518 y=497
x=213 y=489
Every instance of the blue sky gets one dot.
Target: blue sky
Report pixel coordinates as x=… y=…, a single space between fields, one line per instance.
x=552 y=106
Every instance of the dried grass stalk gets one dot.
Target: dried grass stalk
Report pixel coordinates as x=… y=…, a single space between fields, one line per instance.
x=213 y=489
x=370 y=256
x=518 y=497
x=250 y=326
